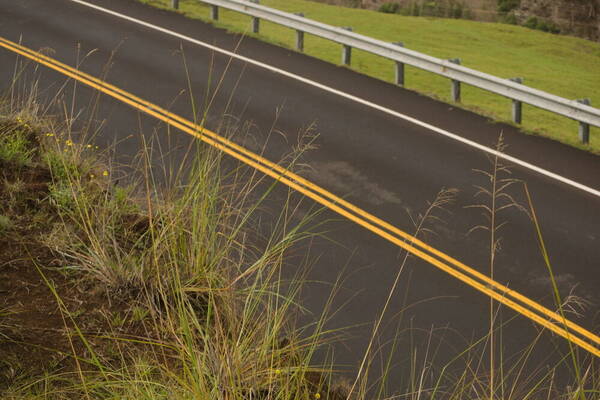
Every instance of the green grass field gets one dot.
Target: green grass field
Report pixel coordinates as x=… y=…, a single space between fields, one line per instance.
x=561 y=65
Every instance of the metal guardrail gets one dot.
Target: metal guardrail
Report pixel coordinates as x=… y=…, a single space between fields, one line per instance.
x=578 y=110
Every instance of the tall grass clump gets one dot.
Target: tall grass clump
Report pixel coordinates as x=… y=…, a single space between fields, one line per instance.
x=219 y=298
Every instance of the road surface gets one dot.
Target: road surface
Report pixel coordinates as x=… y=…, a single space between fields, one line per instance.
x=385 y=165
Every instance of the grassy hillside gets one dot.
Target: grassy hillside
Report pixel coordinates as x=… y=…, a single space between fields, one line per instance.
x=561 y=65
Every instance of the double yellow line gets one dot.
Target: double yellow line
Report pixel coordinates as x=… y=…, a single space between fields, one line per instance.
x=510 y=298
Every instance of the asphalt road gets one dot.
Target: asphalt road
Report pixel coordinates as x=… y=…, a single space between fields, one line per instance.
x=380 y=163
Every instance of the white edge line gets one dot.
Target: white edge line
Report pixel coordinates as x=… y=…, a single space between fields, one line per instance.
x=348 y=96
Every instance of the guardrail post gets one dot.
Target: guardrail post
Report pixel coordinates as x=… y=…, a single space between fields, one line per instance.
x=299 y=36
x=255 y=20
x=584 y=129
x=455 y=85
x=517 y=106
x=175 y=4
x=399 y=68
x=214 y=12
x=346 y=50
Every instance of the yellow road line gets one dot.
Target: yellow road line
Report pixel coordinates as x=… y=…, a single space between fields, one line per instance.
x=320 y=195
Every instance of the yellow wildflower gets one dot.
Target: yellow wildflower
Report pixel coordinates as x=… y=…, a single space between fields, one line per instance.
x=105 y=173
x=92 y=176
x=277 y=371
x=69 y=142
x=317 y=396
x=89 y=146
x=49 y=134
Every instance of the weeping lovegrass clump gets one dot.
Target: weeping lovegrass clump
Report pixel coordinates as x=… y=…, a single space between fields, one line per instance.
x=221 y=301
